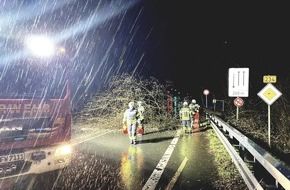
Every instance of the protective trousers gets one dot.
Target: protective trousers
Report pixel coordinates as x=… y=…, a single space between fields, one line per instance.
x=132 y=133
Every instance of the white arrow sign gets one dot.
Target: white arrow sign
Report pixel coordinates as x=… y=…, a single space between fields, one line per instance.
x=238 y=82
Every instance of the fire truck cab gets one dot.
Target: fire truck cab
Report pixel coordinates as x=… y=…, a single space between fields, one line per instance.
x=35 y=117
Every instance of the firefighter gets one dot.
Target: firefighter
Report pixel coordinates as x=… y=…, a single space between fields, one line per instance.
x=140 y=120
x=130 y=118
x=194 y=107
x=185 y=115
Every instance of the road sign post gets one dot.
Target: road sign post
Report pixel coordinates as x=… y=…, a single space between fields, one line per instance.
x=206 y=92
x=238 y=102
x=269 y=94
x=214 y=102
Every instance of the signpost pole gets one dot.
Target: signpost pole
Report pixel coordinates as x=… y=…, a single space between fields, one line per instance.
x=206 y=92
x=238 y=85
x=214 y=104
x=269 y=94
x=238 y=103
x=269 y=126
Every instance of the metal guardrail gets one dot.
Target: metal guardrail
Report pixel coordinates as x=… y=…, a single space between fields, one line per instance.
x=276 y=169
x=250 y=180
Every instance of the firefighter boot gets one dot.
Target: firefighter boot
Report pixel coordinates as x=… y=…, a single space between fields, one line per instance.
x=190 y=130
x=134 y=140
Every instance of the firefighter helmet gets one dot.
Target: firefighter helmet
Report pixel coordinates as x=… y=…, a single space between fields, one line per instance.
x=185 y=103
x=193 y=101
x=131 y=104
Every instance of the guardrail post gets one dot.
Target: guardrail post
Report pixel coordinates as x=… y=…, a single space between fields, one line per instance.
x=242 y=151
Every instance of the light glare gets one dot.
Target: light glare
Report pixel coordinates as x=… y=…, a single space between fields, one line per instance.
x=40 y=46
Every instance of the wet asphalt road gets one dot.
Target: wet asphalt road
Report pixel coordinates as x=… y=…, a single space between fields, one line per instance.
x=160 y=160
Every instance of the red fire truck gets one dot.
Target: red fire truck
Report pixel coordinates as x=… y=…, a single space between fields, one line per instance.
x=35 y=117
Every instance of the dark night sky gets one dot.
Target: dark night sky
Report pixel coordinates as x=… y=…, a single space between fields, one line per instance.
x=201 y=41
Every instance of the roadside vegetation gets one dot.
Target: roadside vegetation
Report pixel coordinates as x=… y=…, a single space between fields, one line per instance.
x=104 y=110
x=227 y=171
x=253 y=122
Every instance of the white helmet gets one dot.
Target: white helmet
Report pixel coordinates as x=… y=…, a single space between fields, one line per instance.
x=185 y=103
x=139 y=103
x=193 y=101
x=131 y=104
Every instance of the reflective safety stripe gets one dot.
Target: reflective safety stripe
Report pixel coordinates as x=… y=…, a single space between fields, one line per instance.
x=185 y=113
x=130 y=116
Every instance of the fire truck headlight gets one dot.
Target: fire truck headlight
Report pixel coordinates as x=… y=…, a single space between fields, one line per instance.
x=63 y=150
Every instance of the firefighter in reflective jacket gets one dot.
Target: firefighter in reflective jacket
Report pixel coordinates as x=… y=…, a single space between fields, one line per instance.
x=185 y=115
x=130 y=118
x=194 y=107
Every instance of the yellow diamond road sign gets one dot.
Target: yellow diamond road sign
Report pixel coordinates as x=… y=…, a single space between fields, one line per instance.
x=269 y=94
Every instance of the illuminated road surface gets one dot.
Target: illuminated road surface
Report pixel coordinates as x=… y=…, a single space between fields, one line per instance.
x=159 y=160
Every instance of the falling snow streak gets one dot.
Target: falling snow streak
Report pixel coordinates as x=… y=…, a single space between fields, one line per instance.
x=96 y=18
x=136 y=20
x=19 y=12
x=101 y=38
x=87 y=171
x=138 y=64
x=45 y=10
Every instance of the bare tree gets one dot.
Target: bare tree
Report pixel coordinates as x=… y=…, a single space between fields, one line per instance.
x=253 y=119
x=105 y=109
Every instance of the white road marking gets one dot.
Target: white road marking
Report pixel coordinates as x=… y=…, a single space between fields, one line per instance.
x=155 y=176
x=177 y=174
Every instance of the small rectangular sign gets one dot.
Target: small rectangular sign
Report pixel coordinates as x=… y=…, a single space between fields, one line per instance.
x=269 y=79
x=238 y=84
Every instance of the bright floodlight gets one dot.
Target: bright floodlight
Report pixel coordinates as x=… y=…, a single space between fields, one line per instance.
x=40 y=46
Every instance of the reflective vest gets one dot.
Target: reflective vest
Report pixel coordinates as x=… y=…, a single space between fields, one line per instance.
x=141 y=112
x=130 y=116
x=194 y=107
x=185 y=113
